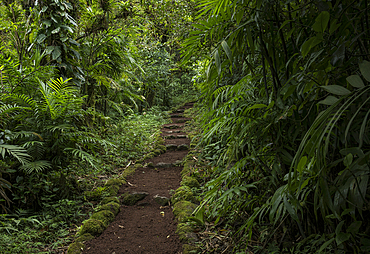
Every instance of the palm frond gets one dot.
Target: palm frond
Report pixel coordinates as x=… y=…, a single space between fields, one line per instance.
x=83 y=156
x=36 y=166
x=18 y=152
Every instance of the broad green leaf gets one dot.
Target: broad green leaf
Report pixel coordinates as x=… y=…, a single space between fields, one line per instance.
x=330 y=100
x=326 y=244
x=302 y=164
x=255 y=106
x=218 y=61
x=290 y=209
x=339 y=227
x=56 y=52
x=289 y=91
x=348 y=160
x=365 y=69
x=309 y=44
x=56 y=30
x=336 y=90
x=342 y=237
x=334 y=26
x=355 y=81
x=227 y=50
x=321 y=22
x=354 y=227
x=41 y=38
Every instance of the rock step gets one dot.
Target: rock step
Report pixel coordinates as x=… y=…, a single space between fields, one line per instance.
x=181 y=147
x=184 y=120
x=174 y=131
x=164 y=164
x=171 y=126
x=176 y=115
x=180 y=111
x=174 y=136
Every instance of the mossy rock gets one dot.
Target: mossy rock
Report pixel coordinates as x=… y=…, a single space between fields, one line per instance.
x=114 y=181
x=185 y=172
x=160 y=142
x=182 y=230
x=112 y=206
x=112 y=190
x=133 y=198
x=182 y=193
x=95 y=195
x=128 y=171
x=84 y=238
x=157 y=152
x=190 y=181
x=189 y=249
x=75 y=248
x=105 y=216
x=138 y=166
x=162 y=148
x=93 y=227
x=109 y=200
x=183 y=209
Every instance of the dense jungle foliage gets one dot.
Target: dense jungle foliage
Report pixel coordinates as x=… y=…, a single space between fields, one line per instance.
x=82 y=88
x=283 y=92
x=285 y=87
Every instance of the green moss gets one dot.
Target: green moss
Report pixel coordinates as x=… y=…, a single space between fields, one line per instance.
x=114 y=181
x=189 y=249
x=112 y=206
x=95 y=195
x=75 y=248
x=92 y=226
x=109 y=200
x=157 y=152
x=190 y=181
x=105 y=216
x=128 y=171
x=162 y=148
x=182 y=193
x=112 y=190
x=84 y=238
x=138 y=166
x=183 y=209
x=182 y=230
x=185 y=172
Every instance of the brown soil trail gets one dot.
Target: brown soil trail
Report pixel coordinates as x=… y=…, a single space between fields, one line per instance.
x=148 y=227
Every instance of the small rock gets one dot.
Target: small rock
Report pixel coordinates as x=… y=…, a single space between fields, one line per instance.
x=161 y=200
x=163 y=165
x=133 y=198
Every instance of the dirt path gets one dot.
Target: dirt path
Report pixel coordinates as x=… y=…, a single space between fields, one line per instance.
x=148 y=227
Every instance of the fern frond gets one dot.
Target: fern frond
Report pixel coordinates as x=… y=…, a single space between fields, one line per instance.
x=36 y=166
x=82 y=155
x=19 y=153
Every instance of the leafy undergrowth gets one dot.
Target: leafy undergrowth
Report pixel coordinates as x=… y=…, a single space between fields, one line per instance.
x=52 y=221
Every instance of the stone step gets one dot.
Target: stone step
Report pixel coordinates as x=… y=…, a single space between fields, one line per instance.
x=181 y=120
x=174 y=136
x=176 y=115
x=180 y=111
x=172 y=147
x=164 y=164
x=171 y=126
x=174 y=131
